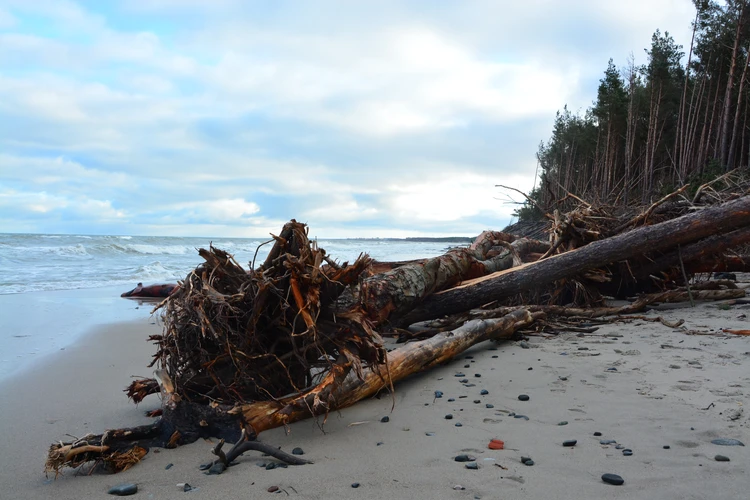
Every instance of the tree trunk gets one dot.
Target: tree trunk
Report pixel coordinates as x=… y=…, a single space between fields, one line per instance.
x=659 y=237
x=724 y=153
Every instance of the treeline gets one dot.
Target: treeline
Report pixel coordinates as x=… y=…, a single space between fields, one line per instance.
x=657 y=126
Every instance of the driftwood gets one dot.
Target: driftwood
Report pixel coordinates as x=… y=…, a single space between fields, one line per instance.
x=247 y=350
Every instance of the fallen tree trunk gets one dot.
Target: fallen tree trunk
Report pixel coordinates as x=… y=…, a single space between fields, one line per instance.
x=686 y=229
x=184 y=422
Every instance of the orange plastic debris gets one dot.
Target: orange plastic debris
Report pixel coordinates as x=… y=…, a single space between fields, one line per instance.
x=737 y=332
x=496 y=444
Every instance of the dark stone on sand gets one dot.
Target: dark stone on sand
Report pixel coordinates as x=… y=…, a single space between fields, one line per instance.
x=597 y=434
x=523 y=397
x=612 y=369
x=495 y=356
x=627 y=452
x=524 y=344
x=470 y=385
x=484 y=392
x=169 y=466
x=563 y=378
x=725 y=276
x=429 y=433
x=531 y=368
x=205 y=466
x=467 y=366
x=122 y=490
x=607 y=441
x=464 y=458
x=721 y=458
x=379 y=443
x=449 y=417
x=583 y=348
x=355 y=485
x=613 y=479
x=477 y=401
x=438 y=394
x=459 y=424
x=727 y=442
x=464 y=380
x=472 y=465
x=459 y=375
x=525 y=459
x=564 y=422
x=521 y=416
x=450 y=400
x=187 y=487
x=570 y=442
x=477 y=375
x=529 y=463
x=270 y=465
x=273 y=489
x=666 y=447
x=298 y=451
x=218 y=468
x=488 y=405
x=619 y=447
x=385 y=419
x=468 y=357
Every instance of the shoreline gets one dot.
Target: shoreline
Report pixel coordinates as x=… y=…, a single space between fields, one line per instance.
x=654 y=398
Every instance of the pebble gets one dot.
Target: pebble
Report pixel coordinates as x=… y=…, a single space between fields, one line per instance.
x=467 y=366
x=122 y=490
x=464 y=380
x=488 y=405
x=470 y=385
x=477 y=375
x=468 y=357
x=355 y=485
x=666 y=447
x=484 y=392
x=526 y=459
x=597 y=434
x=721 y=458
x=464 y=458
x=529 y=462
x=450 y=400
x=627 y=452
x=273 y=489
x=459 y=424
x=477 y=401
x=406 y=429
x=563 y=378
x=613 y=479
x=727 y=442
x=472 y=466
x=459 y=375
x=612 y=369
x=531 y=368
x=523 y=397
x=496 y=444
x=205 y=466
x=187 y=487
x=583 y=348
x=521 y=416
x=379 y=443
x=607 y=441
x=494 y=356
x=438 y=394
x=458 y=487
x=570 y=442
x=524 y=344
x=429 y=433
x=449 y=417
x=385 y=419
x=619 y=447
x=298 y=451
x=564 y=422
x=169 y=466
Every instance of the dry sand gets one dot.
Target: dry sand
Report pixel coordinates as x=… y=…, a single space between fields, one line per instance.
x=670 y=387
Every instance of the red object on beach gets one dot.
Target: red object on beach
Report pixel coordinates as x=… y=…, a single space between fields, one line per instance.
x=496 y=444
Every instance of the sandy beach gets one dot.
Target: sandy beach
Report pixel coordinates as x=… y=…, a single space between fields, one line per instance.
x=642 y=384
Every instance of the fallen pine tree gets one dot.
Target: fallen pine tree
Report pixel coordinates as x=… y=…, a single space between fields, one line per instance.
x=244 y=351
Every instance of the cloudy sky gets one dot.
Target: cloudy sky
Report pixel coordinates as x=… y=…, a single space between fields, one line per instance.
x=230 y=117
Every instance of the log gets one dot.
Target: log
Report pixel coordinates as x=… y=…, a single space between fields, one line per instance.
x=658 y=237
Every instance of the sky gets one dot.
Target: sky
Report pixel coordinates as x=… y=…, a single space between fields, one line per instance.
x=227 y=118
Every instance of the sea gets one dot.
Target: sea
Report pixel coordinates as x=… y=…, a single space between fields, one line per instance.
x=55 y=288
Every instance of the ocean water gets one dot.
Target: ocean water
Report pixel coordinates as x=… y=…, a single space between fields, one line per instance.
x=56 y=288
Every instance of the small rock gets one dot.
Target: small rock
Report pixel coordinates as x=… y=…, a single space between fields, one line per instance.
x=529 y=463
x=612 y=369
x=524 y=344
x=385 y=419
x=494 y=356
x=450 y=400
x=525 y=459
x=298 y=451
x=470 y=385
x=521 y=416
x=459 y=375
x=477 y=375
x=169 y=466
x=570 y=442
x=429 y=433
x=472 y=466
x=406 y=429
x=613 y=479
x=467 y=366
x=531 y=368
x=675 y=367
x=597 y=434
x=464 y=380
x=464 y=458
x=355 y=485
x=449 y=417
x=523 y=397
x=488 y=405
x=205 y=466
x=458 y=487
x=564 y=422
x=122 y=490
x=619 y=447
x=459 y=424
x=721 y=458
x=496 y=444
x=438 y=394
x=379 y=443
x=563 y=378
x=583 y=348
x=477 y=401
x=270 y=465
x=273 y=489
x=627 y=452
x=727 y=442
x=484 y=392
x=468 y=357
x=607 y=441
x=666 y=447
x=218 y=468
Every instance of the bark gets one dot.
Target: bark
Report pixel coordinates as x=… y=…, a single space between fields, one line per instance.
x=659 y=237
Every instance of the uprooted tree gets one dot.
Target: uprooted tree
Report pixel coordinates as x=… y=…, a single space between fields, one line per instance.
x=246 y=350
